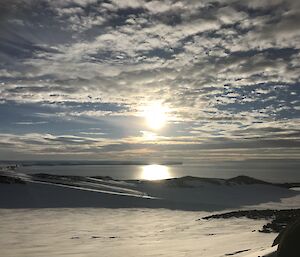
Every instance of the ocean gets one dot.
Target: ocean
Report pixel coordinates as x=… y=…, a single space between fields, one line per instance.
x=272 y=170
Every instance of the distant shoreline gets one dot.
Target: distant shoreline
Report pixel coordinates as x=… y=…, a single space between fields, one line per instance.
x=84 y=163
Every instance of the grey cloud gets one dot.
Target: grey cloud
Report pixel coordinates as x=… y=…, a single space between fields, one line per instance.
x=224 y=65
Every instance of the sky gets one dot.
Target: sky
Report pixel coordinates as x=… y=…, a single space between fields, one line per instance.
x=78 y=76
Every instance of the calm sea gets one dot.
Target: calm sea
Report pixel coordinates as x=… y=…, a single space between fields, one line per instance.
x=273 y=170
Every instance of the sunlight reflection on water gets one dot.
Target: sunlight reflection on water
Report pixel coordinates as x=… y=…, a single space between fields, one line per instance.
x=155 y=172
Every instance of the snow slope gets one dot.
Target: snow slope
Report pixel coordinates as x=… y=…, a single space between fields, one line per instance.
x=188 y=193
x=133 y=232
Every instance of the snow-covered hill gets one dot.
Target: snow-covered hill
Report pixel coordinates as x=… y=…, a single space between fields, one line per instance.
x=19 y=190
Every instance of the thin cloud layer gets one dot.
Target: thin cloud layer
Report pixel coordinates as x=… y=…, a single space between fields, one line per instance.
x=228 y=71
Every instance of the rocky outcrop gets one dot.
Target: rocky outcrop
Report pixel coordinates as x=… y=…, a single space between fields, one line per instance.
x=289 y=240
x=11 y=180
x=279 y=218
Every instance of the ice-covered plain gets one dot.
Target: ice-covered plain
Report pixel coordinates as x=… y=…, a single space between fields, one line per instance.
x=129 y=232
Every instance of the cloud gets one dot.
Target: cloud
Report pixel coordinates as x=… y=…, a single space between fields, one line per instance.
x=30 y=122
x=223 y=68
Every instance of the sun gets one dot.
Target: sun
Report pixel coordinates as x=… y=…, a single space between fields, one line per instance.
x=155 y=172
x=155 y=115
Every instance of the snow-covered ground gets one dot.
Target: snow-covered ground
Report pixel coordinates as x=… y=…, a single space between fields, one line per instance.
x=134 y=218
x=133 y=232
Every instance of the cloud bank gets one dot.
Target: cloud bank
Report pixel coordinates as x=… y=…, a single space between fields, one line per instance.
x=227 y=70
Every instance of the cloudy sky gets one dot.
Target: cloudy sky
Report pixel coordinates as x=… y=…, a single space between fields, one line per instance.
x=76 y=77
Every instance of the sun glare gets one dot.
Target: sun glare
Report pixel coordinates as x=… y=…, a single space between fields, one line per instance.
x=149 y=136
x=155 y=115
x=155 y=172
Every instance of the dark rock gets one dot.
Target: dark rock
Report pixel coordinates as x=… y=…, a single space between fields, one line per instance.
x=289 y=241
x=11 y=180
x=237 y=252
x=279 y=218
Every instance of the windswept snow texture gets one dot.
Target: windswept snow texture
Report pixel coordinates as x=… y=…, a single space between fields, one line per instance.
x=94 y=232
x=187 y=193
